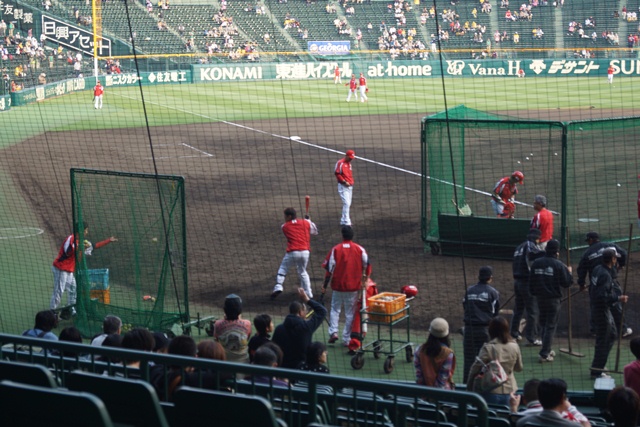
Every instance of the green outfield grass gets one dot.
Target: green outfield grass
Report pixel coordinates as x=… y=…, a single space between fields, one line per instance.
x=237 y=101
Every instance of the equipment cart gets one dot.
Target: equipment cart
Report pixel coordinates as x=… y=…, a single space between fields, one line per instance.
x=386 y=309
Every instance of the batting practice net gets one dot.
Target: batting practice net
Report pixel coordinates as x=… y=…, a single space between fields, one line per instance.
x=464 y=151
x=142 y=278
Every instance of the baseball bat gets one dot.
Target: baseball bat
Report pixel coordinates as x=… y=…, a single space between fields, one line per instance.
x=307 y=201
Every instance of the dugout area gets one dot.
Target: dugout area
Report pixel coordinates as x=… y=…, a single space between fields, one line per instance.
x=588 y=171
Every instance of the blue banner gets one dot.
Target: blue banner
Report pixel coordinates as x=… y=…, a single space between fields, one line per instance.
x=342 y=47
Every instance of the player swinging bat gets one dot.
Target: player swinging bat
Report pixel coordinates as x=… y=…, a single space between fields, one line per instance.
x=298 y=233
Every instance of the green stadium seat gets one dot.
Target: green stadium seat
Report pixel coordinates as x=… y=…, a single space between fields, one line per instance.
x=26 y=373
x=27 y=405
x=130 y=402
x=193 y=409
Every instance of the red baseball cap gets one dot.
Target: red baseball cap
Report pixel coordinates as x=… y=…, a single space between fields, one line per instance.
x=351 y=154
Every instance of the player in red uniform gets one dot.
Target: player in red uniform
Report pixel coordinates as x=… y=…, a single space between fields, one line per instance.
x=504 y=194
x=298 y=234
x=362 y=82
x=542 y=220
x=610 y=74
x=64 y=267
x=353 y=87
x=348 y=267
x=336 y=76
x=98 y=90
x=344 y=175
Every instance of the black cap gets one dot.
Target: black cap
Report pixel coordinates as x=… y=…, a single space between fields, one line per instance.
x=553 y=247
x=534 y=234
x=485 y=274
x=610 y=253
x=592 y=235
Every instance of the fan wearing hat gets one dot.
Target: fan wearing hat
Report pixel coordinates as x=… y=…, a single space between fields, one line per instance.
x=542 y=220
x=504 y=194
x=233 y=331
x=481 y=304
x=547 y=278
x=344 y=175
x=591 y=258
x=434 y=360
x=523 y=257
x=603 y=295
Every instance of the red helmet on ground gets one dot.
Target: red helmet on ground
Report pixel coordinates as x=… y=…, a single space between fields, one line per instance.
x=409 y=290
x=518 y=176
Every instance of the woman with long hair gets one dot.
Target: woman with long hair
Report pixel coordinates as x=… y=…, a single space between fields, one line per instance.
x=503 y=348
x=434 y=360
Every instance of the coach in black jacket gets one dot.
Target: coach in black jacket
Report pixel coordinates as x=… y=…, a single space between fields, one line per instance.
x=523 y=257
x=295 y=333
x=603 y=295
x=547 y=278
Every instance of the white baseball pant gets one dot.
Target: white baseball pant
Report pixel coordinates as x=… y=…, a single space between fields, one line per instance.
x=98 y=103
x=346 y=194
x=300 y=259
x=354 y=93
x=62 y=280
x=350 y=302
x=363 y=94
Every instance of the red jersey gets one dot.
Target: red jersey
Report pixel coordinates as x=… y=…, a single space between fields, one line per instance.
x=98 y=90
x=337 y=71
x=363 y=81
x=66 y=260
x=543 y=221
x=343 y=171
x=353 y=84
x=610 y=70
x=504 y=189
x=298 y=233
x=347 y=261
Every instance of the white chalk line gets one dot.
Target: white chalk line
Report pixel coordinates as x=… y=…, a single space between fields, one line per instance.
x=309 y=144
x=27 y=232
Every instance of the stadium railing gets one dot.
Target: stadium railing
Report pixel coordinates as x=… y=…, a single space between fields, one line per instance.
x=344 y=401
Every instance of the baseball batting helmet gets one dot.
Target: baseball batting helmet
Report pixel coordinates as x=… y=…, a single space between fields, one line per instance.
x=518 y=176
x=409 y=290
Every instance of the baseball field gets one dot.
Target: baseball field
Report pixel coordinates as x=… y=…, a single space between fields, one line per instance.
x=248 y=150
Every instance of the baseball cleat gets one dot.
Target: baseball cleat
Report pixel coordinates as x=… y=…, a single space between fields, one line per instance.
x=333 y=338
x=274 y=295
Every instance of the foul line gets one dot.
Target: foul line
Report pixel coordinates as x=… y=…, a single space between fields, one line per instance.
x=309 y=144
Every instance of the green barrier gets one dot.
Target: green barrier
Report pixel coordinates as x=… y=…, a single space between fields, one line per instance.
x=394 y=69
x=52 y=90
x=5 y=102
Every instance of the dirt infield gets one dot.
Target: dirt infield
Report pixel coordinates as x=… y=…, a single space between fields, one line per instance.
x=240 y=177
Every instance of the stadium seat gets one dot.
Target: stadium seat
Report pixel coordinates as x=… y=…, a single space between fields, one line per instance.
x=193 y=409
x=26 y=373
x=130 y=402
x=27 y=405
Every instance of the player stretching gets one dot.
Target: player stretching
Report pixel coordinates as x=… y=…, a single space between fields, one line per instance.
x=504 y=195
x=353 y=86
x=363 y=88
x=298 y=234
x=344 y=175
x=336 y=76
x=98 y=90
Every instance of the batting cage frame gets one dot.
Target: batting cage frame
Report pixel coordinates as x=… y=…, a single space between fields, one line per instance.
x=142 y=277
x=576 y=165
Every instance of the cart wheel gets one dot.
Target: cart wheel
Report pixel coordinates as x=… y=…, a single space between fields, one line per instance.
x=408 y=353
x=435 y=248
x=388 y=365
x=377 y=348
x=357 y=361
